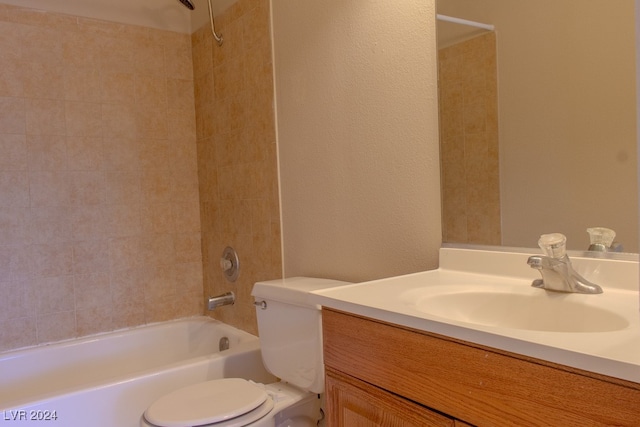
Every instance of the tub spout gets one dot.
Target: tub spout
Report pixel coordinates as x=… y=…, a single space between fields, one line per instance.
x=228 y=298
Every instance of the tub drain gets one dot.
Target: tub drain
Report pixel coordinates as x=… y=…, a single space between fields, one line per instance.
x=223 y=344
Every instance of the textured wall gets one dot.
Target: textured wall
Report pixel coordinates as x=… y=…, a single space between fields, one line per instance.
x=237 y=154
x=99 y=224
x=356 y=98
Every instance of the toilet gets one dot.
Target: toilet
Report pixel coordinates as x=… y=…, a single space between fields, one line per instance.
x=290 y=330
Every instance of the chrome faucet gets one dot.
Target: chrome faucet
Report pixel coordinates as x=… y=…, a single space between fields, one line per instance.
x=601 y=240
x=556 y=269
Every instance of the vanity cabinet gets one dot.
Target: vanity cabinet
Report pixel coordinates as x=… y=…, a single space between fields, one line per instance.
x=356 y=403
x=380 y=374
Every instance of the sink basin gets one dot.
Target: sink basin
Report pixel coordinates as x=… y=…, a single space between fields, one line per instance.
x=516 y=307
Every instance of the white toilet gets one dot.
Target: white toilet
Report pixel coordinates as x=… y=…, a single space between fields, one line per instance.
x=290 y=332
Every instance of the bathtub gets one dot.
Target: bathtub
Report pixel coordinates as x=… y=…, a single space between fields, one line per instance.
x=109 y=380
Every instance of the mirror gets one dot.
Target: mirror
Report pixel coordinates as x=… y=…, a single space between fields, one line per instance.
x=538 y=121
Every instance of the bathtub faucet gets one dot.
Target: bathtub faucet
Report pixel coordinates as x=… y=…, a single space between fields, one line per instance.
x=228 y=298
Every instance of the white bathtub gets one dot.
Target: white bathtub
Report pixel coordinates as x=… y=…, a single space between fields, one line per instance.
x=110 y=379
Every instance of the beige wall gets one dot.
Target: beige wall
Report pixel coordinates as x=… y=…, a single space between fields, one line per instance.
x=237 y=155
x=357 y=126
x=567 y=106
x=99 y=224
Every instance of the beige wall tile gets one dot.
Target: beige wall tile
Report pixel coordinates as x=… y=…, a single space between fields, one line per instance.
x=42 y=80
x=91 y=290
x=52 y=259
x=118 y=121
x=94 y=320
x=99 y=200
x=45 y=117
x=178 y=58
x=128 y=313
x=123 y=220
x=184 y=186
x=124 y=253
x=155 y=154
x=12 y=115
x=121 y=153
x=15 y=261
x=189 y=278
x=149 y=58
x=180 y=124
x=91 y=261
x=157 y=249
x=85 y=153
x=14 y=187
x=82 y=51
x=82 y=83
x=117 y=55
x=469 y=141
x=53 y=294
x=237 y=167
x=155 y=186
x=42 y=44
x=151 y=123
x=160 y=309
x=18 y=332
x=187 y=247
x=13 y=152
x=151 y=92
x=47 y=152
x=123 y=187
x=12 y=40
x=88 y=222
x=13 y=304
x=159 y=218
x=159 y=282
x=118 y=87
x=48 y=188
x=186 y=217
x=180 y=94
x=56 y=326
x=49 y=224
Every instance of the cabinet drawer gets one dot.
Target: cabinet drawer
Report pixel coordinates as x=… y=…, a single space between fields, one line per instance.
x=478 y=385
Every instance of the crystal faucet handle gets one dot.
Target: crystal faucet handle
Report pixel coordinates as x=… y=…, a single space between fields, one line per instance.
x=553 y=245
x=601 y=236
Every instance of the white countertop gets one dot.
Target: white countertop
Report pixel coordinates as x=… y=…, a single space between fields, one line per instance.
x=614 y=353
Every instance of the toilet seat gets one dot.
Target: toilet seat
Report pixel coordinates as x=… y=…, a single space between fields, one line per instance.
x=229 y=402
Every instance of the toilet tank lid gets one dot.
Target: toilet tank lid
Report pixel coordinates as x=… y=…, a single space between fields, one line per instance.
x=293 y=290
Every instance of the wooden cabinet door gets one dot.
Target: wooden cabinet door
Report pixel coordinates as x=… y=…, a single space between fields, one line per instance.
x=480 y=385
x=353 y=403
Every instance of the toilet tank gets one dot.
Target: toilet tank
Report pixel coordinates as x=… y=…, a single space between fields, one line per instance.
x=290 y=329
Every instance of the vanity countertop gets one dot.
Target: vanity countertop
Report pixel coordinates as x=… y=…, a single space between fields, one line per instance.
x=613 y=351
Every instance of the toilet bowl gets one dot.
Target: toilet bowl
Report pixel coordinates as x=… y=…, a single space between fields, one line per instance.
x=291 y=343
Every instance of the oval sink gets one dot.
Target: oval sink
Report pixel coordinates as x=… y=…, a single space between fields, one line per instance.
x=526 y=309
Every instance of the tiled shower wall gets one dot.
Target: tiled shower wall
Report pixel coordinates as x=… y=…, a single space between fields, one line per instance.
x=99 y=210
x=237 y=154
x=468 y=93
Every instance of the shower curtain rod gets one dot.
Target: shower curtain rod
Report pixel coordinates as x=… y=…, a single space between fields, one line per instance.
x=465 y=22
